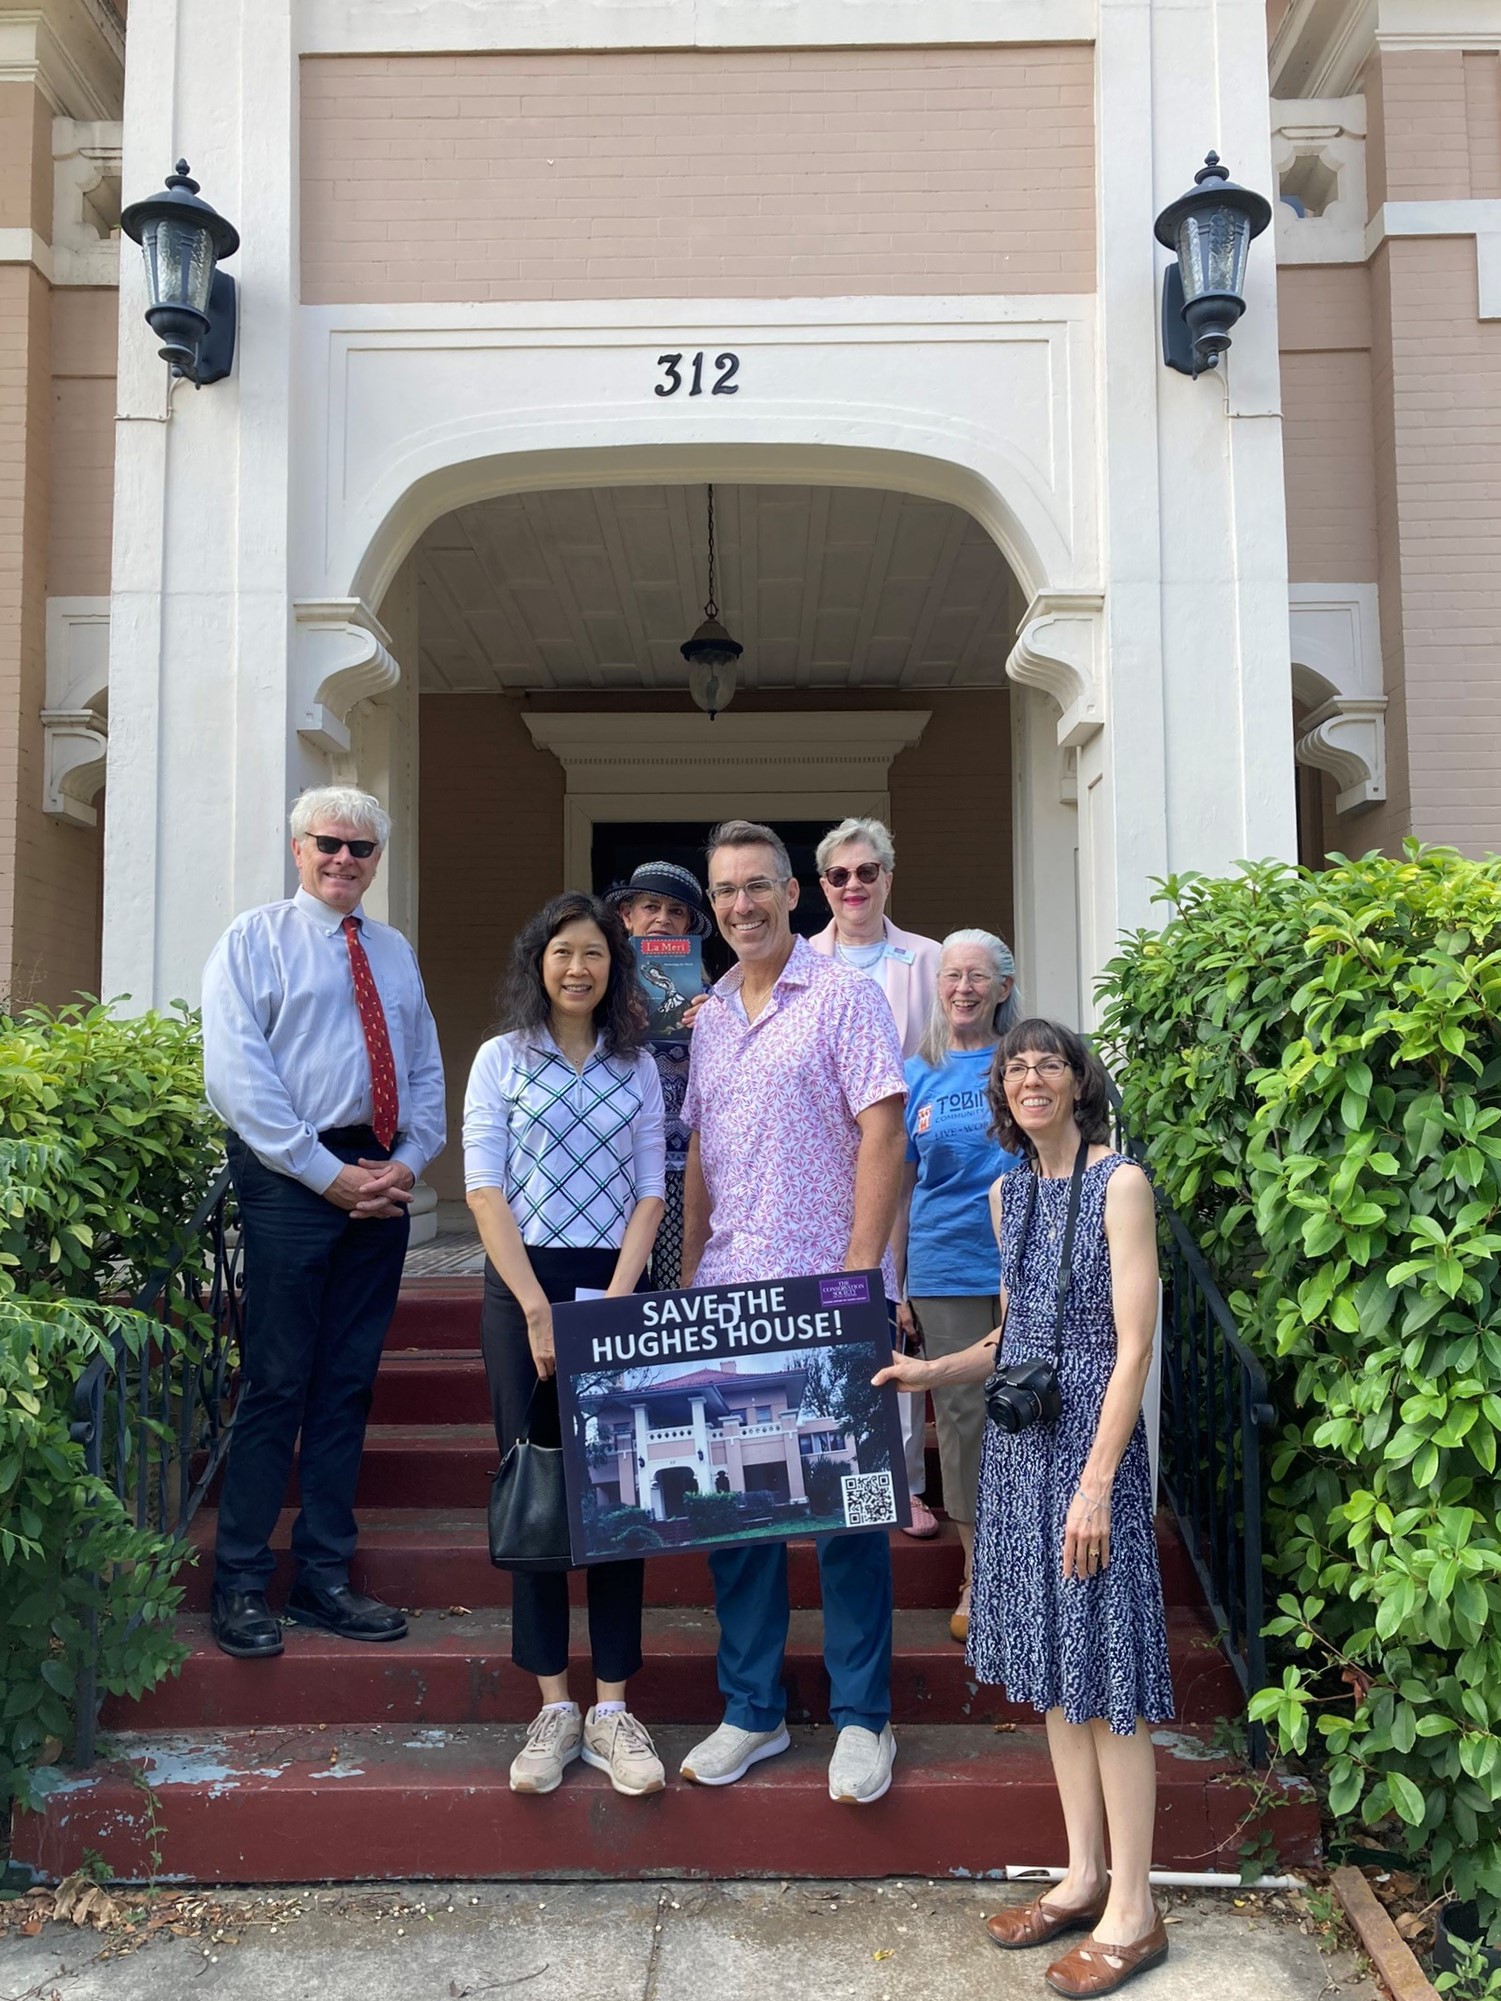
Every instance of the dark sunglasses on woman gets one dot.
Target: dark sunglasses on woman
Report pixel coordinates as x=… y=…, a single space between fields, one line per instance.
x=865 y=872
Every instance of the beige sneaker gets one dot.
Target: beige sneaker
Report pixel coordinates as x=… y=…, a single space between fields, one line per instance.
x=619 y=1745
x=554 y=1738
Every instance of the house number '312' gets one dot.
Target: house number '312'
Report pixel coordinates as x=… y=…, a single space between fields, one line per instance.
x=726 y=368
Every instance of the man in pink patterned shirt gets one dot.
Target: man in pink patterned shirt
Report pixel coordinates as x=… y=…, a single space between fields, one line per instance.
x=795 y=1097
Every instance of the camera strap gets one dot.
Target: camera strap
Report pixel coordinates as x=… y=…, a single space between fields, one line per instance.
x=1066 y=1253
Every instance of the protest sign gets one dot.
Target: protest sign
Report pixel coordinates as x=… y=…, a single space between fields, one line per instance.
x=727 y=1414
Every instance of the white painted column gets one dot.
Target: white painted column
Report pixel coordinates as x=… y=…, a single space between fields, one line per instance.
x=202 y=758
x=1046 y=831
x=1194 y=769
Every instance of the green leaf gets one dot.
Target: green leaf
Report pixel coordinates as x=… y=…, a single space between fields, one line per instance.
x=1406 y=1798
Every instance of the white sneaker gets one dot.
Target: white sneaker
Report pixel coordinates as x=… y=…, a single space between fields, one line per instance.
x=860 y=1769
x=554 y=1738
x=729 y=1753
x=616 y=1743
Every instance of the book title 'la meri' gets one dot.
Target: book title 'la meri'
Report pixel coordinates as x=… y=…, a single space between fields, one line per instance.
x=720 y=1323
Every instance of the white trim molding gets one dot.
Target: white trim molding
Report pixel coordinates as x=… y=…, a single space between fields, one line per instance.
x=1334 y=633
x=75 y=726
x=1478 y=218
x=1333 y=131
x=86 y=169
x=348 y=659
x=796 y=764
x=1347 y=737
x=456 y=27
x=24 y=246
x=1058 y=649
x=80 y=71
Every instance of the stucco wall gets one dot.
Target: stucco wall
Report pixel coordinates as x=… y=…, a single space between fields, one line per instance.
x=492 y=842
x=697 y=174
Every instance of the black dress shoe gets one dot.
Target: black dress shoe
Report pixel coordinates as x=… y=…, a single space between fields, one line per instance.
x=244 y=1625
x=339 y=1610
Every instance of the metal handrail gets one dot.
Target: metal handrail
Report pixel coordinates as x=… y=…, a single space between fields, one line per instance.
x=1217 y=1407
x=156 y=1424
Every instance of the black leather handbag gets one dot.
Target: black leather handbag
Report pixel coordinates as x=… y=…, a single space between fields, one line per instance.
x=529 y=1509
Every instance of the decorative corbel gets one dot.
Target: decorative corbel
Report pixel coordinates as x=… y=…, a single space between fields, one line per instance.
x=1058 y=650
x=74 y=741
x=349 y=659
x=1347 y=737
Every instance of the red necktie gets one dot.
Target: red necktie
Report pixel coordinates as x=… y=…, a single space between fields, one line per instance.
x=377 y=1042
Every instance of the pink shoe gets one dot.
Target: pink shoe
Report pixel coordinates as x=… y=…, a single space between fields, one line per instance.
x=924 y=1521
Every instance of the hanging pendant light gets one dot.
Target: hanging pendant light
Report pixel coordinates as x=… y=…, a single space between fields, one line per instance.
x=711 y=653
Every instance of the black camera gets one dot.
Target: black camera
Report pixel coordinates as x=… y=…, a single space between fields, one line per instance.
x=1021 y=1394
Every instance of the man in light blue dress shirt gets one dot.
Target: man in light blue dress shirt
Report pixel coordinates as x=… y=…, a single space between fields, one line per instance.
x=321 y=1056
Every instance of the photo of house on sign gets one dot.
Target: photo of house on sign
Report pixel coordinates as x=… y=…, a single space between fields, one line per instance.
x=729 y=1447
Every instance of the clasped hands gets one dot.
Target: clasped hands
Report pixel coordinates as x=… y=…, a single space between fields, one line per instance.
x=372 y=1189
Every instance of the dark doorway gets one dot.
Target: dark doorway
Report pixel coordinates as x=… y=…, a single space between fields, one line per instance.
x=621 y=846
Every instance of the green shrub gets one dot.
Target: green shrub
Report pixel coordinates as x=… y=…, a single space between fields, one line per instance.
x=106 y=1148
x=1312 y=1061
x=133 y=1146
x=712 y=1514
x=824 y=1479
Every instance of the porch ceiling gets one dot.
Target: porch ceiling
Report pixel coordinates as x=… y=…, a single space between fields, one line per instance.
x=825 y=587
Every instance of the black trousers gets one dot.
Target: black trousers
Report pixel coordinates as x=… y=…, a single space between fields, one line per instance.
x=525 y=1405
x=320 y=1289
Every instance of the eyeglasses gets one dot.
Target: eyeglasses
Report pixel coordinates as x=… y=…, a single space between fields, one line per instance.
x=1051 y=1068
x=980 y=980
x=330 y=844
x=723 y=894
x=865 y=872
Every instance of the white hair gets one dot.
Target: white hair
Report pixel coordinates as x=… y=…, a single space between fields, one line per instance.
x=876 y=836
x=340 y=802
x=934 y=1046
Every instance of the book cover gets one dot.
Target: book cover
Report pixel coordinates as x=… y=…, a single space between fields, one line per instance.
x=726 y=1414
x=671 y=975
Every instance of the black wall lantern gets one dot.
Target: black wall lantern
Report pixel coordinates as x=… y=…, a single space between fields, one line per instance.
x=1203 y=294
x=192 y=307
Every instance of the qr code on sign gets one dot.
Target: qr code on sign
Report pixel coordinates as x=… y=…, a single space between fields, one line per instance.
x=869 y=1502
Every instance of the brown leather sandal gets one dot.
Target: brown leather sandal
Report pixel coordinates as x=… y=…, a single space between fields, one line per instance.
x=1037 y=1923
x=1094 y=1968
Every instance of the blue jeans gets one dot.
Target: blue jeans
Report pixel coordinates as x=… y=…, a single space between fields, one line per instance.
x=750 y=1599
x=320 y=1290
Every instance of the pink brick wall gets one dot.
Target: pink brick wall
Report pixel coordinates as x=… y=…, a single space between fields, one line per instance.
x=84 y=325
x=1329 y=462
x=697 y=174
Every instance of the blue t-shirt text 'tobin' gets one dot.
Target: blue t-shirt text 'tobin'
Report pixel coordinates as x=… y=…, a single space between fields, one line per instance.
x=951 y=1247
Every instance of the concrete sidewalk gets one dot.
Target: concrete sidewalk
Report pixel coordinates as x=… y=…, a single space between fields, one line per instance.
x=656 y=1942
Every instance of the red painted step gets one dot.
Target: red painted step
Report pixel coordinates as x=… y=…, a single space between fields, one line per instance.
x=307 y=1805
x=430 y=1386
x=436 y=1313
x=440 y=1556
x=452 y=1670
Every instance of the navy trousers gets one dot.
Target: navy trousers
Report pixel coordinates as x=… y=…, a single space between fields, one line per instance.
x=320 y=1289
x=750 y=1599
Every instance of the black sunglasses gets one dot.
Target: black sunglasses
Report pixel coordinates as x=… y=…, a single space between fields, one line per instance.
x=865 y=872
x=330 y=844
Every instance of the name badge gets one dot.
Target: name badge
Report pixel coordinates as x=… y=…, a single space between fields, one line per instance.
x=900 y=953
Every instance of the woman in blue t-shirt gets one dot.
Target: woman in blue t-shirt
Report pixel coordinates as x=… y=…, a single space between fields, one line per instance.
x=946 y=1253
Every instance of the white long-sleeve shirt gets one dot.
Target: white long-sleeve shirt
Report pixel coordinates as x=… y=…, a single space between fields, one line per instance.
x=284 y=1054
x=573 y=1151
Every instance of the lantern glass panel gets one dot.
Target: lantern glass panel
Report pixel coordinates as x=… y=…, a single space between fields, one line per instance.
x=179 y=263
x=1213 y=246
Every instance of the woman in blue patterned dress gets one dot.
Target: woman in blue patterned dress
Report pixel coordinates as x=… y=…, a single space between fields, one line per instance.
x=1067 y=1607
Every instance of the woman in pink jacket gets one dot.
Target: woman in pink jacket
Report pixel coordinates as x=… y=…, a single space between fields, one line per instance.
x=856 y=861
